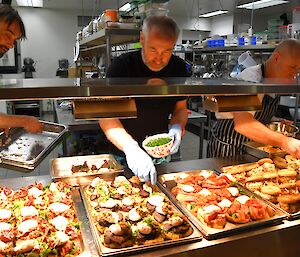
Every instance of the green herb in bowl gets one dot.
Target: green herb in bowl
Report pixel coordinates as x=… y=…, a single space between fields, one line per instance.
x=158 y=141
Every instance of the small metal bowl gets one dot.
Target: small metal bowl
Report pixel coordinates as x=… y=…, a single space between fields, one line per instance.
x=285 y=129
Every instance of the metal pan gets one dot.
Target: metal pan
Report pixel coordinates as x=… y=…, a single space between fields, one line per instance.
x=86 y=239
x=289 y=215
x=105 y=251
x=168 y=181
x=61 y=168
x=254 y=148
x=25 y=150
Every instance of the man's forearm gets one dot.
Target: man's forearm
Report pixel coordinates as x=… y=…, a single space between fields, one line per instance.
x=115 y=132
x=180 y=115
x=245 y=124
x=11 y=121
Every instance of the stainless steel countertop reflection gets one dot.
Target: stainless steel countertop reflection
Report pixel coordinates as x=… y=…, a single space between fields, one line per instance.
x=26 y=89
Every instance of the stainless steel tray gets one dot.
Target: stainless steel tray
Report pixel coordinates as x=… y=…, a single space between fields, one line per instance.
x=290 y=216
x=252 y=148
x=86 y=241
x=61 y=168
x=105 y=251
x=167 y=182
x=26 y=150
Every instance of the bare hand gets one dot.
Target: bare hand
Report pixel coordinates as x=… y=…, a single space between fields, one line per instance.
x=292 y=146
x=32 y=125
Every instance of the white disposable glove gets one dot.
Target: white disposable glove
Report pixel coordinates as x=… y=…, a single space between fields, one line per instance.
x=175 y=131
x=140 y=162
x=251 y=74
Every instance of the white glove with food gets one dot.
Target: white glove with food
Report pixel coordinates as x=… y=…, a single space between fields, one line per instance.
x=140 y=162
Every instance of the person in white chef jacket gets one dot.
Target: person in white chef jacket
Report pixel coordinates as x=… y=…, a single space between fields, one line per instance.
x=231 y=130
x=11 y=30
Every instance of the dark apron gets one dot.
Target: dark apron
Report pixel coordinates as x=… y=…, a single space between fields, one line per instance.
x=225 y=141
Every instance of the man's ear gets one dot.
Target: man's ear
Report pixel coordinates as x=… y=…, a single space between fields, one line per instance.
x=141 y=37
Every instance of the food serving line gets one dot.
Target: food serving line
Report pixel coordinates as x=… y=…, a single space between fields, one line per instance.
x=261 y=239
x=274 y=240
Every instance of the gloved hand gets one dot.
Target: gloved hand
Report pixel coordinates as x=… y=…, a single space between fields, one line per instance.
x=140 y=162
x=175 y=131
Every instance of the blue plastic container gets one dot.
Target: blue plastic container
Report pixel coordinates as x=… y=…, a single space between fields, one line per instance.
x=253 y=40
x=241 y=41
x=221 y=42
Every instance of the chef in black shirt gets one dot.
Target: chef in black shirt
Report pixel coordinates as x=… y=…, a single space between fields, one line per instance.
x=154 y=60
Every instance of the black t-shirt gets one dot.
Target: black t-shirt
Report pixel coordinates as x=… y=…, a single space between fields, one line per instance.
x=152 y=113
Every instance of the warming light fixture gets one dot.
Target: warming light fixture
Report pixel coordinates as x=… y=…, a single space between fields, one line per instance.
x=30 y=3
x=261 y=4
x=214 y=13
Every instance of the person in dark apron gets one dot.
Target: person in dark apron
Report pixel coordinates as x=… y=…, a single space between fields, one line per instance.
x=226 y=140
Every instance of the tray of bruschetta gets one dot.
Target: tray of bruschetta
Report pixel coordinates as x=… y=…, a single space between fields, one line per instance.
x=216 y=204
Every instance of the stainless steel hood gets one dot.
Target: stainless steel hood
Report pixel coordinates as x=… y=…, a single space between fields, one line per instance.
x=28 y=89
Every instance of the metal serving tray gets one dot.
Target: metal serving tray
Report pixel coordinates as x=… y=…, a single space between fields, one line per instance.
x=26 y=150
x=105 y=251
x=290 y=216
x=252 y=148
x=61 y=168
x=86 y=240
x=167 y=182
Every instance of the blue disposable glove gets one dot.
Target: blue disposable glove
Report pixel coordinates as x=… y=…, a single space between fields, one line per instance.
x=175 y=131
x=140 y=162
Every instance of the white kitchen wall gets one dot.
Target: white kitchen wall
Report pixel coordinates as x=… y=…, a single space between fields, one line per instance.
x=222 y=25
x=50 y=36
x=190 y=23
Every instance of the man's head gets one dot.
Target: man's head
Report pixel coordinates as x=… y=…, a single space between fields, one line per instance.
x=285 y=60
x=11 y=28
x=158 y=37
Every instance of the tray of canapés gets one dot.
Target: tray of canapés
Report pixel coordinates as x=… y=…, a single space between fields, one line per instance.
x=276 y=180
x=216 y=204
x=39 y=219
x=79 y=170
x=128 y=215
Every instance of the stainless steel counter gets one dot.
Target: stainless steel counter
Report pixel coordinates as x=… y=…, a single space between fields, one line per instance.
x=136 y=87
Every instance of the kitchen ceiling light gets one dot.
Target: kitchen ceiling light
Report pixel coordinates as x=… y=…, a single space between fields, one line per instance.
x=261 y=4
x=214 y=13
x=125 y=8
x=30 y=3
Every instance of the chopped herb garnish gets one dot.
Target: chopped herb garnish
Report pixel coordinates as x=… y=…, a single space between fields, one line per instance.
x=158 y=141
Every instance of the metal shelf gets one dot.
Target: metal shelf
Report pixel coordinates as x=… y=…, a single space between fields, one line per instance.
x=265 y=47
x=104 y=39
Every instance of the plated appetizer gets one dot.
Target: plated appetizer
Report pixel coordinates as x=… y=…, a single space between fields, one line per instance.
x=39 y=221
x=130 y=212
